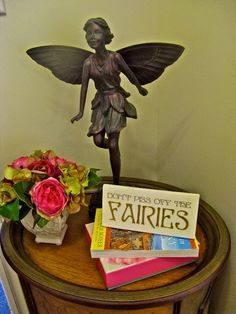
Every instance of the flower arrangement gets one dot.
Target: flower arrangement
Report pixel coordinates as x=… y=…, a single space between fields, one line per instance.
x=46 y=184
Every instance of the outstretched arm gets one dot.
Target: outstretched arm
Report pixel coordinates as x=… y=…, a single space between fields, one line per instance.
x=83 y=92
x=130 y=75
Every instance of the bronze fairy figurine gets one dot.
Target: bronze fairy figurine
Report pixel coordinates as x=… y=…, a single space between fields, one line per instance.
x=141 y=64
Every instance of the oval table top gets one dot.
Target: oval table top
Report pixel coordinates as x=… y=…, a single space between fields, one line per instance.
x=69 y=272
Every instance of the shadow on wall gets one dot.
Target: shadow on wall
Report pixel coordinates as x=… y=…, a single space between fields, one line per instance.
x=2 y=8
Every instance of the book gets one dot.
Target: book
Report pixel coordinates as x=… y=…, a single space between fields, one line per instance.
x=112 y=242
x=117 y=272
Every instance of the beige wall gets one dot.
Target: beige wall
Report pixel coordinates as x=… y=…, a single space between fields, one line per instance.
x=185 y=134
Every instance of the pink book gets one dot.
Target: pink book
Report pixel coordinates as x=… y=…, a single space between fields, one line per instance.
x=117 y=272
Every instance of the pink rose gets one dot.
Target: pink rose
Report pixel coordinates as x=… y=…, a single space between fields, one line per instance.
x=45 y=166
x=49 y=198
x=22 y=162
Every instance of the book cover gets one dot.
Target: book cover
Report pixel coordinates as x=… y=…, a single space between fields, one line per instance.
x=112 y=242
x=117 y=272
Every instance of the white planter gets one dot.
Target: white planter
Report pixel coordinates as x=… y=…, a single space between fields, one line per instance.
x=53 y=232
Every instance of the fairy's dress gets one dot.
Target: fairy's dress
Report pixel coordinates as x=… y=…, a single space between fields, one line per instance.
x=109 y=106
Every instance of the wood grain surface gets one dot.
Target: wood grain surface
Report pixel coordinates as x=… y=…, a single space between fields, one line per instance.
x=72 y=262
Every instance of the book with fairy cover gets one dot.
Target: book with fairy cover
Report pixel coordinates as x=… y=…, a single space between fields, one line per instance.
x=117 y=272
x=112 y=242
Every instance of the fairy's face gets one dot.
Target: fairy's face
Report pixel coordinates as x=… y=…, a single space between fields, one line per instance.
x=95 y=36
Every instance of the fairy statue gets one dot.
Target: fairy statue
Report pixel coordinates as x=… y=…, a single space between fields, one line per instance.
x=141 y=64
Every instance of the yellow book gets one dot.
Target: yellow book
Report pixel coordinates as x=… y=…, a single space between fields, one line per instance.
x=99 y=232
x=112 y=242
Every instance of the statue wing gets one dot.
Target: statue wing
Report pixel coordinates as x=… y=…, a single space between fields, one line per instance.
x=148 y=61
x=65 y=62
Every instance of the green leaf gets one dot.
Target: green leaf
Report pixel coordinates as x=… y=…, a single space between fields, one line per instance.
x=94 y=179
x=22 y=190
x=39 y=221
x=42 y=222
x=11 y=210
x=24 y=209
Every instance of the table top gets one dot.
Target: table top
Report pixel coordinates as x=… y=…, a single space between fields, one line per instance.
x=69 y=271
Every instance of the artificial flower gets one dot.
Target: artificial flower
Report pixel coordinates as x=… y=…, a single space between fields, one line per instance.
x=75 y=203
x=49 y=198
x=16 y=175
x=22 y=162
x=7 y=193
x=45 y=166
x=45 y=184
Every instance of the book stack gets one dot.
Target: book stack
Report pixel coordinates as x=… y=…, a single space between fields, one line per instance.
x=141 y=232
x=125 y=256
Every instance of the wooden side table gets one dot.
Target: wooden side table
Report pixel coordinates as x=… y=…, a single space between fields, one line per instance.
x=64 y=279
